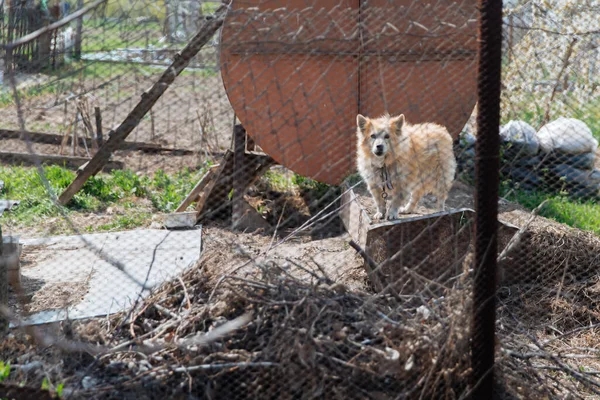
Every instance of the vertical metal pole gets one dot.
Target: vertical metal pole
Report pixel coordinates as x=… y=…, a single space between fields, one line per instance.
x=239 y=175
x=486 y=199
x=3 y=288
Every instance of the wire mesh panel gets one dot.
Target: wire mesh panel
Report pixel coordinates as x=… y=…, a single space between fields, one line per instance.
x=276 y=199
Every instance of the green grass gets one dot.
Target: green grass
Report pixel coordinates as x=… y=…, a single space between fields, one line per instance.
x=580 y=214
x=122 y=188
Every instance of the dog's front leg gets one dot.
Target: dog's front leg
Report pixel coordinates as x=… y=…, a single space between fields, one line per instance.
x=377 y=194
x=396 y=201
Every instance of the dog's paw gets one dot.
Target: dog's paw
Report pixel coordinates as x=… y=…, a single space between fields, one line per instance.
x=405 y=210
x=392 y=215
x=378 y=215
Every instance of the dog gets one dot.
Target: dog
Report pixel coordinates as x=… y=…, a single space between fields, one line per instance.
x=400 y=161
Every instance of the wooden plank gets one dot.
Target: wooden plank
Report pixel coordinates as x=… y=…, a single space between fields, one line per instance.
x=116 y=137
x=68 y=161
x=195 y=192
x=98 y=115
x=354 y=217
x=208 y=190
x=51 y=138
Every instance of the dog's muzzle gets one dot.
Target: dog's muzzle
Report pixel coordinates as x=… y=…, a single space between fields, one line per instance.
x=378 y=151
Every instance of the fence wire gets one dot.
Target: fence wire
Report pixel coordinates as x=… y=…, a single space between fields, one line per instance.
x=294 y=216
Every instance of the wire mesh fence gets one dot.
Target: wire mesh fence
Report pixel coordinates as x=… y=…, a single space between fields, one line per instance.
x=277 y=199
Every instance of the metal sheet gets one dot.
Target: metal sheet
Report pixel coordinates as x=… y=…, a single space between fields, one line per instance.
x=297 y=72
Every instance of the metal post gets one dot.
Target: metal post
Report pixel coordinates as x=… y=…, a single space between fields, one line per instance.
x=3 y=287
x=486 y=199
x=239 y=174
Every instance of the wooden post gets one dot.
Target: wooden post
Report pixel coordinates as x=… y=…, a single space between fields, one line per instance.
x=116 y=137
x=250 y=144
x=99 y=137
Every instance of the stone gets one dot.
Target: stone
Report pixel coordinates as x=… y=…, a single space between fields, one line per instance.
x=520 y=139
x=567 y=135
x=579 y=183
x=580 y=161
x=521 y=175
x=533 y=162
x=467 y=140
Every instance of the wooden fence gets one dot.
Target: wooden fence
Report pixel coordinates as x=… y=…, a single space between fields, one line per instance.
x=22 y=18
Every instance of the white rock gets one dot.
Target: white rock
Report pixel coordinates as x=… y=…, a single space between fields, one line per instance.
x=410 y=363
x=88 y=382
x=567 y=135
x=423 y=312
x=521 y=134
x=392 y=354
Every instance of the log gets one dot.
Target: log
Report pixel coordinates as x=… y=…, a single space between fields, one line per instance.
x=52 y=138
x=116 y=137
x=67 y=161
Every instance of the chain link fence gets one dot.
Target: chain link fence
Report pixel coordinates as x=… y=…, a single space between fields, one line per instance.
x=203 y=200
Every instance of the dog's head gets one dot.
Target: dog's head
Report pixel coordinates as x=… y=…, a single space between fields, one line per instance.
x=379 y=135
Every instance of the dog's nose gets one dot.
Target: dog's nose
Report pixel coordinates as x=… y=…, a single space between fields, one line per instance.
x=380 y=147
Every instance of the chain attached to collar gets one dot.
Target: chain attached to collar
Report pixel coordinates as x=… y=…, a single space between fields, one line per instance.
x=387 y=183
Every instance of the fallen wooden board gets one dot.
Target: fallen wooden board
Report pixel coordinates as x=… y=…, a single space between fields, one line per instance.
x=193 y=195
x=68 y=161
x=51 y=138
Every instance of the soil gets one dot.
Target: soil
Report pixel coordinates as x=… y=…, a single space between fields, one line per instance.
x=175 y=120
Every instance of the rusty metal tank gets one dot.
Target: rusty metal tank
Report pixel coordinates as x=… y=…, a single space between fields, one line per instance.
x=297 y=72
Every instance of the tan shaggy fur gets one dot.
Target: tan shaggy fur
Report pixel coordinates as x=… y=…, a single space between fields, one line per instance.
x=418 y=159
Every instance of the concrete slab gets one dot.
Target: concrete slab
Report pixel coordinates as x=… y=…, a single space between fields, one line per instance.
x=115 y=267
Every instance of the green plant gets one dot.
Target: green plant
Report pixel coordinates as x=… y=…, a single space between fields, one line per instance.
x=4 y=371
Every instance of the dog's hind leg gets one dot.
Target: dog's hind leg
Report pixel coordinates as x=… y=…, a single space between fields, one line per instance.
x=415 y=197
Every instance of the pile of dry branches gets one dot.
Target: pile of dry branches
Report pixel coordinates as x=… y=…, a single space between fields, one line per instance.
x=279 y=331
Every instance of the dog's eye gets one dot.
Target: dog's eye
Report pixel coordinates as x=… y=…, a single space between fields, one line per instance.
x=386 y=136
x=373 y=137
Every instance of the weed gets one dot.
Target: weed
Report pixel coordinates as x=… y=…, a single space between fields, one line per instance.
x=4 y=371
x=576 y=213
x=164 y=191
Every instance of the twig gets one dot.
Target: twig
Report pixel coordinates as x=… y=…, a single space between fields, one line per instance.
x=564 y=66
x=217 y=333
x=185 y=293
x=516 y=239
x=226 y=366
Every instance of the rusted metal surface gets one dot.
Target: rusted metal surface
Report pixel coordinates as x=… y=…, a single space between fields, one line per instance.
x=297 y=73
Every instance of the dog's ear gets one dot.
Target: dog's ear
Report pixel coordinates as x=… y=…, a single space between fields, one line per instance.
x=397 y=123
x=362 y=122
